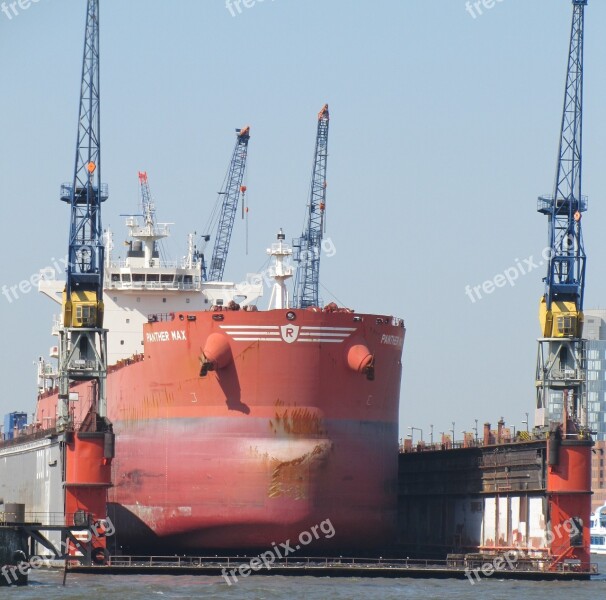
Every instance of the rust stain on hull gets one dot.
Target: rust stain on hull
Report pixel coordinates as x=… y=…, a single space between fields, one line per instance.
x=291 y=478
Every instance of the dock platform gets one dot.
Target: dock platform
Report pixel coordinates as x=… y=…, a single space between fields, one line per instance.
x=233 y=568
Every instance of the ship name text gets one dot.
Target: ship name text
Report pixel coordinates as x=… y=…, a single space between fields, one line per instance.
x=166 y=336
x=392 y=340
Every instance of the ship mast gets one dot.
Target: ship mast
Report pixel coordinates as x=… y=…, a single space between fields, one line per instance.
x=150 y=232
x=560 y=379
x=280 y=272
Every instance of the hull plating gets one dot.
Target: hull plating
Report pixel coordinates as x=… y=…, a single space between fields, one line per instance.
x=285 y=431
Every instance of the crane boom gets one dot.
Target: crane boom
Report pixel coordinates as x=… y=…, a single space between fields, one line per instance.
x=308 y=246
x=82 y=337
x=231 y=195
x=560 y=363
x=147 y=203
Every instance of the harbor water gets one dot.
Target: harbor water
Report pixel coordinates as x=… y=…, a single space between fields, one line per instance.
x=49 y=585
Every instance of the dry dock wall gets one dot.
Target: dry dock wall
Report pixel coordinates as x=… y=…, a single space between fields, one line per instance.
x=31 y=474
x=471 y=499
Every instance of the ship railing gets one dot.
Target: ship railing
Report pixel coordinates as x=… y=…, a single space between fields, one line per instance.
x=31 y=435
x=158 y=264
x=298 y=561
x=161 y=317
x=146 y=231
x=124 y=264
x=153 y=285
x=452 y=563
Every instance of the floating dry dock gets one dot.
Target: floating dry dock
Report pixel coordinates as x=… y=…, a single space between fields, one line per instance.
x=234 y=568
x=496 y=495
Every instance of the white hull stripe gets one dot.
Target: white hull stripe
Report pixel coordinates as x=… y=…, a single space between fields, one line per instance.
x=250 y=327
x=275 y=333
x=260 y=332
x=257 y=339
x=323 y=340
x=276 y=339
x=303 y=328
x=325 y=334
x=344 y=329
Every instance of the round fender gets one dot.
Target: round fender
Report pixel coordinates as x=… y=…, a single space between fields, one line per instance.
x=217 y=350
x=359 y=357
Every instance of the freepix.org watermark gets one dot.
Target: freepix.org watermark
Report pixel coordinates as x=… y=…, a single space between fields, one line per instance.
x=266 y=277
x=235 y=6
x=13 y=9
x=279 y=551
x=509 y=560
x=25 y=286
x=507 y=277
x=102 y=528
x=476 y=7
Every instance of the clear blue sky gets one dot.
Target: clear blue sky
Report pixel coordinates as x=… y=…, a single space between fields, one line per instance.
x=444 y=131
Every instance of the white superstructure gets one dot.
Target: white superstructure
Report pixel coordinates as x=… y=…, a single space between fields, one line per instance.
x=143 y=284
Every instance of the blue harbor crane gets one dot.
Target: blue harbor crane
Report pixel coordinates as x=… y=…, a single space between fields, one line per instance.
x=83 y=341
x=560 y=380
x=307 y=248
x=231 y=192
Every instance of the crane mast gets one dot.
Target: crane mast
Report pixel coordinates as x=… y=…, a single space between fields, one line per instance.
x=231 y=195
x=307 y=248
x=83 y=340
x=147 y=203
x=560 y=378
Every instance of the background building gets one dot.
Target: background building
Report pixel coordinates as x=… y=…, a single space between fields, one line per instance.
x=598 y=485
x=594 y=331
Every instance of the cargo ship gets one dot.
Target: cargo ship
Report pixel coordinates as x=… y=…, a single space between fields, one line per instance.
x=235 y=427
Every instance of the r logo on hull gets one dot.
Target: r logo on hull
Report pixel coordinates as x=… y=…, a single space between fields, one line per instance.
x=289 y=333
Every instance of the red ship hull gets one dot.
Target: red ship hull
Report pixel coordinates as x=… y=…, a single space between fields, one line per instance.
x=290 y=423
